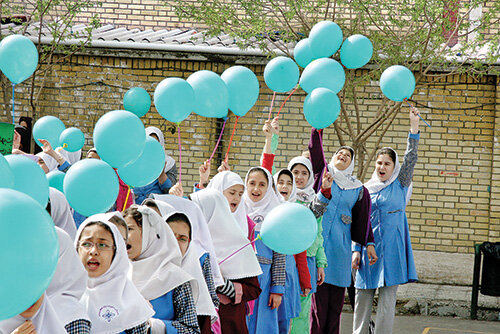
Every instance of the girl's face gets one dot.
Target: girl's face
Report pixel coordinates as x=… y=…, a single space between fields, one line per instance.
x=384 y=167
x=285 y=186
x=134 y=244
x=43 y=165
x=96 y=249
x=256 y=185
x=233 y=195
x=342 y=159
x=301 y=174
x=181 y=231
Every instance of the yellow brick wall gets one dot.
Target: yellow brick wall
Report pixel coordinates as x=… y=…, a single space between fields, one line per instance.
x=456 y=192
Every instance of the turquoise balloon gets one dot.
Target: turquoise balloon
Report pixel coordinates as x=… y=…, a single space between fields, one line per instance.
x=18 y=58
x=325 y=39
x=72 y=139
x=7 y=176
x=243 y=87
x=356 y=51
x=119 y=138
x=137 y=101
x=302 y=53
x=56 y=179
x=324 y=72
x=48 y=128
x=174 y=99
x=30 y=250
x=29 y=178
x=211 y=98
x=397 y=83
x=147 y=168
x=289 y=228
x=91 y=186
x=321 y=108
x=281 y=74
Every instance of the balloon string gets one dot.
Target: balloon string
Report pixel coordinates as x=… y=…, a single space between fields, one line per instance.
x=126 y=199
x=231 y=140
x=286 y=100
x=180 y=152
x=220 y=137
x=271 y=107
x=13 y=104
x=238 y=250
x=406 y=100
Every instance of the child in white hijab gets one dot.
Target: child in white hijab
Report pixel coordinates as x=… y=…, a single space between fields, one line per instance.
x=113 y=302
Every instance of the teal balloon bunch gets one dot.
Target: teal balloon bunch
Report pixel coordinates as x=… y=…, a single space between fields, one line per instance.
x=325 y=39
x=91 y=186
x=321 y=108
x=174 y=99
x=137 y=101
x=29 y=178
x=18 y=58
x=397 y=83
x=72 y=139
x=119 y=137
x=147 y=167
x=211 y=97
x=50 y=129
x=289 y=228
x=243 y=88
x=281 y=74
x=324 y=72
x=30 y=251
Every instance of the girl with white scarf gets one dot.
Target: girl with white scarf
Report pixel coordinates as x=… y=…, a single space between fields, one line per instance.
x=113 y=302
x=346 y=219
x=157 y=273
x=237 y=260
x=390 y=189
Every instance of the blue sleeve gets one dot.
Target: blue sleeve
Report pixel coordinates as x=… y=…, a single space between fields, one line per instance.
x=64 y=167
x=356 y=247
x=169 y=329
x=165 y=186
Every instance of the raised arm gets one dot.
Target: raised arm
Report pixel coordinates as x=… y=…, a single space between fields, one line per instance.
x=410 y=159
x=317 y=156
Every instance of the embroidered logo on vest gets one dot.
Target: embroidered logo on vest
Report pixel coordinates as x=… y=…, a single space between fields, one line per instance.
x=258 y=219
x=108 y=313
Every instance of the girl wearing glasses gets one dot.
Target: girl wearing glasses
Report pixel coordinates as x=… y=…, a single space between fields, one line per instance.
x=113 y=303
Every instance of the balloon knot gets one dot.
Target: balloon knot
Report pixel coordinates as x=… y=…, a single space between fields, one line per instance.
x=65 y=145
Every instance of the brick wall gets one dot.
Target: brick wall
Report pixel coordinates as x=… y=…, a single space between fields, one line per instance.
x=456 y=193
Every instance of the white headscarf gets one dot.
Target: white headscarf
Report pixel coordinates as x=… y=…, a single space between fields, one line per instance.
x=307 y=193
x=191 y=264
x=157 y=270
x=169 y=161
x=60 y=211
x=199 y=230
x=71 y=157
x=113 y=302
x=45 y=320
x=293 y=195
x=344 y=178
x=258 y=210
x=227 y=238
x=69 y=282
x=223 y=180
x=49 y=161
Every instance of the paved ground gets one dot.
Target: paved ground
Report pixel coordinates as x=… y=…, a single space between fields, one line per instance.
x=432 y=325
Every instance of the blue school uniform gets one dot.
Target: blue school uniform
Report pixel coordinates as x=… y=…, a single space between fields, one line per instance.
x=141 y=193
x=290 y=304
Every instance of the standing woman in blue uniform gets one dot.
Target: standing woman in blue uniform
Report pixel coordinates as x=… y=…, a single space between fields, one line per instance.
x=390 y=189
x=347 y=218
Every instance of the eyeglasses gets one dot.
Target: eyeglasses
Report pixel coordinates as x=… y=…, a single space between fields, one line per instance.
x=88 y=245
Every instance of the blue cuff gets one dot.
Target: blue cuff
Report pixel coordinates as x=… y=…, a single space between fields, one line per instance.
x=64 y=167
x=322 y=198
x=415 y=136
x=356 y=247
x=165 y=186
x=277 y=289
x=371 y=244
x=169 y=329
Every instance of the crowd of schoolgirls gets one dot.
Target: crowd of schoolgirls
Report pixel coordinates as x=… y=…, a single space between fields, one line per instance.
x=178 y=263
